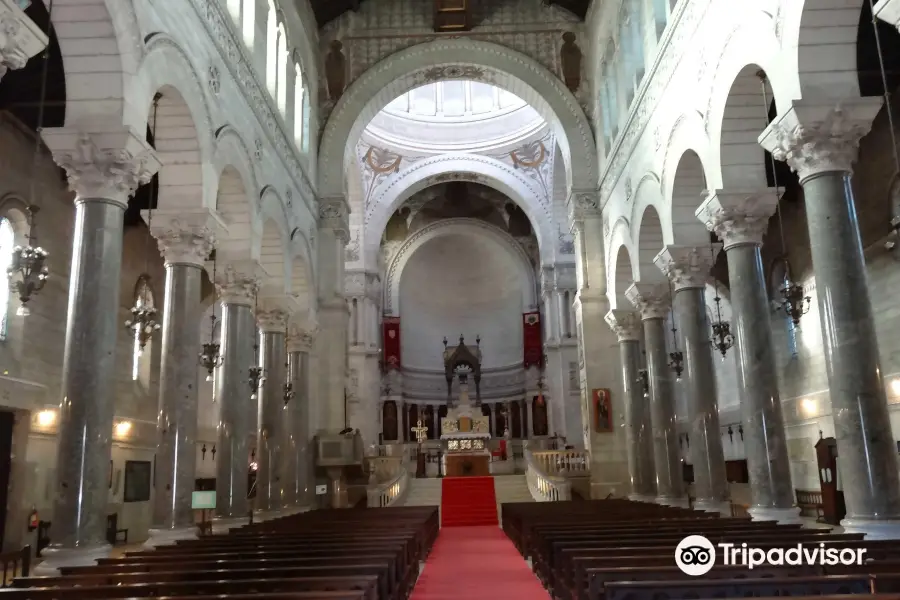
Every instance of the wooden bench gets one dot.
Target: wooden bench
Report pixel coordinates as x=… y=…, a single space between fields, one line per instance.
x=810 y=503
x=703 y=587
x=115 y=534
x=15 y=564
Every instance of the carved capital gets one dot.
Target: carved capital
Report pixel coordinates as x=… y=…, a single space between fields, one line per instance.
x=109 y=165
x=626 y=324
x=185 y=238
x=653 y=300
x=583 y=205
x=889 y=11
x=301 y=340
x=272 y=320
x=238 y=283
x=334 y=215
x=816 y=137
x=20 y=37
x=687 y=266
x=738 y=218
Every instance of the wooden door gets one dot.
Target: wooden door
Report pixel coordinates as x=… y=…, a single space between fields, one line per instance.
x=389 y=420
x=539 y=414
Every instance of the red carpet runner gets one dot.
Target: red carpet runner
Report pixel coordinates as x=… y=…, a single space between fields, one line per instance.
x=476 y=563
x=468 y=501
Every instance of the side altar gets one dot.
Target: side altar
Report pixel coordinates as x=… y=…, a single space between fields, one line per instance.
x=465 y=432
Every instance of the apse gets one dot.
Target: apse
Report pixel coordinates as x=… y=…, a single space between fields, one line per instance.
x=462 y=285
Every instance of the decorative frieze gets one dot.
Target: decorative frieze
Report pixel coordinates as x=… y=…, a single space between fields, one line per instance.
x=653 y=300
x=687 y=266
x=738 y=218
x=626 y=324
x=334 y=215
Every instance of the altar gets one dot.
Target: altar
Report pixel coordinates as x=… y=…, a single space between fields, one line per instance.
x=465 y=432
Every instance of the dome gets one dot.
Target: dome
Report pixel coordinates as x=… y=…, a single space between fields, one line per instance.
x=454 y=116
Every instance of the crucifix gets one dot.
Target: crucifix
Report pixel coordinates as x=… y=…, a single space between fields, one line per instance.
x=421 y=432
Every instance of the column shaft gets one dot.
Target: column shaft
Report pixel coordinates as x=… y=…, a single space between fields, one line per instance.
x=669 y=476
x=638 y=432
x=177 y=418
x=270 y=417
x=298 y=368
x=89 y=376
x=868 y=454
x=236 y=425
x=764 y=441
x=699 y=381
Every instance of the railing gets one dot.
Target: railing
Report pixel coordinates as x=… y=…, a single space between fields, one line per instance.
x=567 y=463
x=380 y=495
x=545 y=487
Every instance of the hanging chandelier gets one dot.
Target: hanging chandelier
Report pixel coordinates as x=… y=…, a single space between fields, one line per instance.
x=210 y=356
x=28 y=270
x=676 y=357
x=255 y=374
x=722 y=338
x=288 y=391
x=645 y=382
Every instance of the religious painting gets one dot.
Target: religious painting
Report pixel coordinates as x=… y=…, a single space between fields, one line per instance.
x=137 y=480
x=539 y=415
x=601 y=405
x=391 y=338
x=389 y=420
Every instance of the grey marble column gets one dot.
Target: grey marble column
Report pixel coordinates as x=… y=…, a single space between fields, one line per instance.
x=740 y=220
x=237 y=288
x=185 y=243
x=820 y=142
x=626 y=324
x=300 y=343
x=688 y=269
x=653 y=301
x=103 y=178
x=270 y=449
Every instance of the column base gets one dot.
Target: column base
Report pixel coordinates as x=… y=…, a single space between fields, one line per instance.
x=723 y=507
x=781 y=515
x=57 y=558
x=165 y=537
x=673 y=501
x=641 y=498
x=222 y=525
x=874 y=529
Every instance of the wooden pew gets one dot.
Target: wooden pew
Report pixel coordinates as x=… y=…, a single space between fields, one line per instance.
x=703 y=587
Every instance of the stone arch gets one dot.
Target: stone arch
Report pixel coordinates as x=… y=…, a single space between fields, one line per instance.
x=302 y=280
x=113 y=24
x=621 y=270
x=459 y=167
x=685 y=178
x=469 y=59
x=238 y=212
x=15 y=210
x=184 y=138
x=819 y=41
x=651 y=239
x=272 y=251
x=456 y=226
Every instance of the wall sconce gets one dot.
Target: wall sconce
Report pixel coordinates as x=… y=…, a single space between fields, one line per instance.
x=203 y=452
x=808 y=406
x=122 y=428
x=46 y=418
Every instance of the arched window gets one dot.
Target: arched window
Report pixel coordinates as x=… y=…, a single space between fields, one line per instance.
x=660 y=16
x=7 y=243
x=299 y=104
x=637 y=41
x=140 y=363
x=283 y=74
x=248 y=22
x=234 y=9
x=305 y=140
x=272 y=51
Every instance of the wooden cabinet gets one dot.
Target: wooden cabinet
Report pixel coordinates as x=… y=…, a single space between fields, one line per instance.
x=468 y=465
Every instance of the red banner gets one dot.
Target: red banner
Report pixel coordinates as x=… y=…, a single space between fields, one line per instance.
x=391 y=342
x=532 y=342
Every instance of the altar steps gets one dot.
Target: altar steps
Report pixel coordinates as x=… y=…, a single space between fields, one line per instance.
x=511 y=488
x=423 y=492
x=468 y=501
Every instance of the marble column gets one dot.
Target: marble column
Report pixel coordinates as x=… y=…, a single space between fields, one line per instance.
x=528 y=407
x=889 y=11
x=626 y=324
x=740 y=219
x=819 y=141
x=237 y=286
x=104 y=171
x=688 y=269
x=270 y=447
x=653 y=301
x=332 y=314
x=300 y=343
x=20 y=37
x=185 y=242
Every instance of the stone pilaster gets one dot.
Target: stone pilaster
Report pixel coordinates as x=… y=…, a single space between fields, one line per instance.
x=363 y=292
x=609 y=468
x=740 y=219
x=889 y=12
x=271 y=455
x=688 y=270
x=332 y=314
x=819 y=140
x=300 y=343
x=185 y=242
x=20 y=37
x=104 y=170
x=626 y=324
x=654 y=302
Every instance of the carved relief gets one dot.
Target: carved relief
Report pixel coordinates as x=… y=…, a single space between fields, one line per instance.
x=335 y=70
x=570 y=58
x=441 y=73
x=351 y=252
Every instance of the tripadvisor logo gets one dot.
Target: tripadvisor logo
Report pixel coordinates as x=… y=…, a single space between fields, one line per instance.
x=695 y=555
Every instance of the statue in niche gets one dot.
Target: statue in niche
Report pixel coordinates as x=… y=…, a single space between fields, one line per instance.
x=336 y=70
x=519 y=226
x=570 y=57
x=397 y=228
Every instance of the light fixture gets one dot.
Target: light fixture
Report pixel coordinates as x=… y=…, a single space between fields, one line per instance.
x=722 y=338
x=210 y=357
x=255 y=377
x=46 y=418
x=28 y=270
x=122 y=428
x=288 y=389
x=895 y=386
x=645 y=382
x=676 y=357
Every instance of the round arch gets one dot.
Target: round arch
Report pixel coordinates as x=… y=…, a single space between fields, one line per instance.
x=463 y=58
x=621 y=271
x=685 y=176
x=459 y=167
x=456 y=226
x=269 y=245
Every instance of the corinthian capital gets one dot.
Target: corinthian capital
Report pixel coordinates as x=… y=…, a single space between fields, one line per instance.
x=816 y=137
x=334 y=216
x=20 y=38
x=583 y=205
x=109 y=165
x=238 y=283
x=687 y=266
x=185 y=238
x=651 y=299
x=626 y=324
x=272 y=320
x=738 y=218
x=300 y=340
